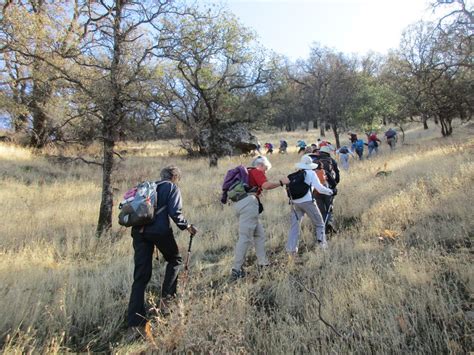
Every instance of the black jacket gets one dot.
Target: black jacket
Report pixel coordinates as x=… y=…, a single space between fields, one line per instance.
x=169 y=196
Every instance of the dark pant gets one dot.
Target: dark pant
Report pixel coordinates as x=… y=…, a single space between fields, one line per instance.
x=324 y=202
x=144 y=245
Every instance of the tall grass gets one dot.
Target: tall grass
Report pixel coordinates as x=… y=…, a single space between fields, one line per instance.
x=396 y=278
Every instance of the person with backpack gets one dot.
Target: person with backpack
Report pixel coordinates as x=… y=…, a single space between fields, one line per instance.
x=344 y=153
x=269 y=148
x=359 y=148
x=353 y=139
x=373 y=144
x=329 y=175
x=158 y=234
x=300 y=191
x=248 y=208
x=391 y=136
x=283 y=147
x=301 y=145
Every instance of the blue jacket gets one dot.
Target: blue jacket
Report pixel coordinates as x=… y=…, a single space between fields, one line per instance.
x=169 y=196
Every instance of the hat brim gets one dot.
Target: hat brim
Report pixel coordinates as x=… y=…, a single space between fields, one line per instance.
x=311 y=166
x=326 y=149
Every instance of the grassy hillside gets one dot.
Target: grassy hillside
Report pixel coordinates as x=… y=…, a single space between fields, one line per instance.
x=397 y=278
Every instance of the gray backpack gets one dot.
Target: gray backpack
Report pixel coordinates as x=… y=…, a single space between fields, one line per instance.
x=139 y=205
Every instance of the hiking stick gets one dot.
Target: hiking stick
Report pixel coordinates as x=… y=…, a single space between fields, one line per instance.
x=188 y=255
x=186 y=263
x=329 y=210
x=291 y=202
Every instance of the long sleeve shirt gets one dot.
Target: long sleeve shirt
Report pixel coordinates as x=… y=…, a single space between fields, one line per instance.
x=312 y=180
x=169 y=197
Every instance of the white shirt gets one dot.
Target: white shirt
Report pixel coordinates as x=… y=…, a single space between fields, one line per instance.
x=312 y=180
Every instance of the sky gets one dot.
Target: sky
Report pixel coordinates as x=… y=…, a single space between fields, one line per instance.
x=289 y=27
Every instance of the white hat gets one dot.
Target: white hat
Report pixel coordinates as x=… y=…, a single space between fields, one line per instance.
x=326 y=149
x=306 y=163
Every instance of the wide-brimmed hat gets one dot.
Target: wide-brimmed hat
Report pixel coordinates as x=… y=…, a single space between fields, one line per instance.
x=326 y=149
x=306 y=163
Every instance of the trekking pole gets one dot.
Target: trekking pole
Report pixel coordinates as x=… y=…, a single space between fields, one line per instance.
x=329 y=211
x=186 y=263
x=291 y=203
x=188 y=255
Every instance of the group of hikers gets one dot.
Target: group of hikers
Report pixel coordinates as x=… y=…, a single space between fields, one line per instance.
x=356 y=146
x=310 y=190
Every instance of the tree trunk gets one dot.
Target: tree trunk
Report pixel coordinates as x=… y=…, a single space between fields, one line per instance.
x=322 y=131
x=39 y=135
x=336 y=135
x=425 y=123
x=106 y=204
x=113 y=115
x=40 y=94
x=213 y=145
x=403 y=133
x=446 y=127
x=450 y=127
x=21 y=122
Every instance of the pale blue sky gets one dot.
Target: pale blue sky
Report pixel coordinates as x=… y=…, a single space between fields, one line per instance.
x=289 y=27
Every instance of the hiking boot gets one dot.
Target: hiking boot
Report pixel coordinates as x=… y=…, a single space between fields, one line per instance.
x=237 y=274
x=323 y=244
x=330 y=229
x=140 y=332
x=165 y=306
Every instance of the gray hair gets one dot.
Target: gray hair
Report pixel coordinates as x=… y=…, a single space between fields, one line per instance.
x=170 y=172
x=262 y=160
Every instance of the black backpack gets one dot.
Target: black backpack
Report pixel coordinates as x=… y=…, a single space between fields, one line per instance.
x=297 y=188
x=326 y=164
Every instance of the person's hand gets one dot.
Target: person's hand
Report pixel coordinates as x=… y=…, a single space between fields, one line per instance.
x=191 y=229
x=285 y=181
x=334 y=192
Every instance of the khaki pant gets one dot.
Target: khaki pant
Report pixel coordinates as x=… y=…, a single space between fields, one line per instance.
x=297 y=214
x=250 y=232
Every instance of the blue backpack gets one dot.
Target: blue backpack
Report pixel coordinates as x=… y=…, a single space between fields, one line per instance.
x=359 y=144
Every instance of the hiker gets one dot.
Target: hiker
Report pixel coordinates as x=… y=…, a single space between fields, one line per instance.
x=359 y=148
x=329 y=176
x=306 y=205
x=344 y=152
x=391 y=136
x=257 y=148
x=269 y=148
x=373 y=144
x=160 y=235
x=283 y=147
x=248 y=207
x=301 y=145
x=353 y=139
x=327 y=144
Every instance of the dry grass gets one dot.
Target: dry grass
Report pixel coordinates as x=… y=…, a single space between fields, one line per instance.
x=397 y=278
